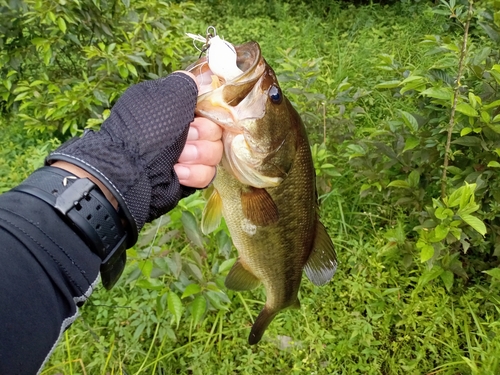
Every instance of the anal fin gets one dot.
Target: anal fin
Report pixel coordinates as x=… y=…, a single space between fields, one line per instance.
x=259 y=207
x=322 y=262
x=212 y=213
x=240 y=279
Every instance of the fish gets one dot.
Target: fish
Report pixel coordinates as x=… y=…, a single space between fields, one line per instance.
x=265 y=185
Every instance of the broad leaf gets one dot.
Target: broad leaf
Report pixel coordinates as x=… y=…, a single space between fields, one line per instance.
x=475 y=223
x=409 y=120
x=466 y=109
x=198 y=308
x=494 y=272
x=399 y=183
x=387 y=85
x=444 y=93
x=175 y=307
x=411 y=143
x=190 y=290
x=192 y=228
x=447 y=277
x=426 y=253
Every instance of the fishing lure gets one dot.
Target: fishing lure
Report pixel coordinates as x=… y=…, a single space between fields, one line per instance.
x=221 y=54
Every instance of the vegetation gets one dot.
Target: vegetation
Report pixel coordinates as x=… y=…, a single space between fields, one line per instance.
x=402 y=105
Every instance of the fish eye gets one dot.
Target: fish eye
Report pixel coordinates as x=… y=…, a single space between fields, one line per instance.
x=275 y=94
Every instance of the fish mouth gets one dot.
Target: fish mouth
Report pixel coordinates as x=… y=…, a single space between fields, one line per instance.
x=248 y=60
x=219 y=99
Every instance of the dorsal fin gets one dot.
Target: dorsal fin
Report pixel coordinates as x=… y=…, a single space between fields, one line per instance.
x=322 y=262
x=258 y=206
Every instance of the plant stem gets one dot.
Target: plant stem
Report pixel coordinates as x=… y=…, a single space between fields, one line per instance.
x=451 y=125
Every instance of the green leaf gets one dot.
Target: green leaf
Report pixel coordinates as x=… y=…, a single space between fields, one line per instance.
x=474 y=100
x=494 y=272
x=466 y=109
x=469 y=141
x=132 y=69
x=442 y=213
x=21 y=96
x=411 y=143
x=430 y=275
x=226 y=265
x=465 y=131
x=47 y=56
x=414 y=179
x=399 y=183
x=485 y=116
x=123 y=71
x=198 y=308
x=475 y=223
x=138 y=59
x=62 y=24
x=151 y=284
x=39 y=41
x=146 y=267
x=494 y=164
x=426 y=253
x=101 y=96
x=444 y=93
x=192 y=228
x=494 y=104
x=387 y=85
x=448 y=278
x=175 y=307
x=190 y=290
x=409 y=120
x=440 y=233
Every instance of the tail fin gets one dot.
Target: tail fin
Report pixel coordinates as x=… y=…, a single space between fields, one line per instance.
x=261 y=323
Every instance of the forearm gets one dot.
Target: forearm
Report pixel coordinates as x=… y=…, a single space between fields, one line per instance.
x=45 y=271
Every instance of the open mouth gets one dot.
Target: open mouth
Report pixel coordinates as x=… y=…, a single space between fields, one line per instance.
x=227 y=65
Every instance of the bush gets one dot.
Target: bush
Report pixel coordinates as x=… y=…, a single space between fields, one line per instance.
x=439 y=165
x=64 y=63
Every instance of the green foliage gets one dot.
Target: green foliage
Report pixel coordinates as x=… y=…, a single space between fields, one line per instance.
x=417 y=290
x=408 y=151
x=63 y=64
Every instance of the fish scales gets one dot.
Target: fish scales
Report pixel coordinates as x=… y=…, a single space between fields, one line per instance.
x=265 y=185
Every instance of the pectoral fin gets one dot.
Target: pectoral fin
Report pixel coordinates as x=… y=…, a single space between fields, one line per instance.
x=259 y=207
x=240 y=278
x=212 y=213
x=322 y=262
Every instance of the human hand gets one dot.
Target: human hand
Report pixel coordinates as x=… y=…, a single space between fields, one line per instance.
x=201 y=154
x=135 y=151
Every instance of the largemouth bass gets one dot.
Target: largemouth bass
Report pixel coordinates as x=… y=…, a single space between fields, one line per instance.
x=265 y=185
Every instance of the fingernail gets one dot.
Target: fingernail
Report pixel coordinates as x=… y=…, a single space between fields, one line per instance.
x=189 y=153
x=183 y=173
x=193 y=134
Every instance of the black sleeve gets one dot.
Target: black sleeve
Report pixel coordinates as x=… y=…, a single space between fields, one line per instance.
x=46 y=272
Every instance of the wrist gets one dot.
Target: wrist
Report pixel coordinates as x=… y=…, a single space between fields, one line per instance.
x=79 y=172
x=85 y=208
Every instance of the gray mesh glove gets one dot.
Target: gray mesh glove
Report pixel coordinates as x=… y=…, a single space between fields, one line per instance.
x=134 y=152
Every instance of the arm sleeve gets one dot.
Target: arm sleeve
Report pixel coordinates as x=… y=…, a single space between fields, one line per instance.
x=46 y=272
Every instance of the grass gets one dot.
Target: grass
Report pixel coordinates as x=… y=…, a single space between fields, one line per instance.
x=375 y=317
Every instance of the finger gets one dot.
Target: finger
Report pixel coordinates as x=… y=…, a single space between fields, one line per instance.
x=204 y=129
x=201 y=152
x=195 y=175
